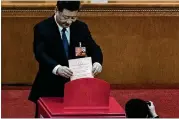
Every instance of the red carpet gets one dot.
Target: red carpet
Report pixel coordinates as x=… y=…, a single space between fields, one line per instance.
x=15 y=103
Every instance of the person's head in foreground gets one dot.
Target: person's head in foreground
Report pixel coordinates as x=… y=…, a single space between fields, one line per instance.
x=66 y=12
x=137 y=108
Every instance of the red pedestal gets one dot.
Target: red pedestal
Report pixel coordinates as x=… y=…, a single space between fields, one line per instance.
x=85 y=98
x=54 y=108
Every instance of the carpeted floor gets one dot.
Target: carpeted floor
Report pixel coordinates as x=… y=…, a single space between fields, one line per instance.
x=15 y=103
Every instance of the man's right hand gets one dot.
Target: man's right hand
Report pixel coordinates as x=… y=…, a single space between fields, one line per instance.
x=64 y=72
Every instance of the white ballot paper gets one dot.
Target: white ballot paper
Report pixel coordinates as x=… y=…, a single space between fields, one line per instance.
x=81 y=68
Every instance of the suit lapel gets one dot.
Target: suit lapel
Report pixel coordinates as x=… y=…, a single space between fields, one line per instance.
x=55 y=31
x=57 y=39
x=73 y=41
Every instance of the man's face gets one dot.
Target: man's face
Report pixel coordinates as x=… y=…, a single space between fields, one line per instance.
x=66 y=17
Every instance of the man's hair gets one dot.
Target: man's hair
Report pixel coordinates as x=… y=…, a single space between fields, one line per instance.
x=69 y=5
x=136 y=108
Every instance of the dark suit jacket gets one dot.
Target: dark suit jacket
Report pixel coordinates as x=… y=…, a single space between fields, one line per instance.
x=49 y=52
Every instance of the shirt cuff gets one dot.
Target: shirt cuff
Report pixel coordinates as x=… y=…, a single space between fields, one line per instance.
x=55 y=69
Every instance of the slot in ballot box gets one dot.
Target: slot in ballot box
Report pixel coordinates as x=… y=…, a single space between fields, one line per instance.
x=83 y=98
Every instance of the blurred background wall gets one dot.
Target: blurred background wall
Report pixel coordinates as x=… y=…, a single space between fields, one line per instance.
x=139 y=40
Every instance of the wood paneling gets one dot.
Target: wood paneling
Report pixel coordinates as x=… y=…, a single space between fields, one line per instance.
x=140 y=45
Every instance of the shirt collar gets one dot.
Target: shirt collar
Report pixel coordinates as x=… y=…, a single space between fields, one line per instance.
x=59 y=27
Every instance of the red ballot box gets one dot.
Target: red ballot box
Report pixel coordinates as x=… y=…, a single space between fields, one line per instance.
x=83 y=98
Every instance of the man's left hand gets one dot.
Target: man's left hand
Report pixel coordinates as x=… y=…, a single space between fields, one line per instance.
x=97 y=68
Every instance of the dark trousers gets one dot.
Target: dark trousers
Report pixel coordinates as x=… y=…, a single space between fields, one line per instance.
x=36 y=110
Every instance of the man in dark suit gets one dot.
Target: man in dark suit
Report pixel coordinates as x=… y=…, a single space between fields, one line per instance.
x=55 y=40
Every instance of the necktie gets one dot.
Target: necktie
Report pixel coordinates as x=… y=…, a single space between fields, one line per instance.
x=65 y=41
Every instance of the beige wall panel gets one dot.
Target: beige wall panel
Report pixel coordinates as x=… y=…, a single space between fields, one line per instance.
x=140 y=48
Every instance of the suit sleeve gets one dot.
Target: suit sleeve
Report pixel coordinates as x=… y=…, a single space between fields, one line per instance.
x=94 y=49
x=39 y=50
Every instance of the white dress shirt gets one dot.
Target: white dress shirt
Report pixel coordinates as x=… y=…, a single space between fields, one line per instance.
x=67 y=32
